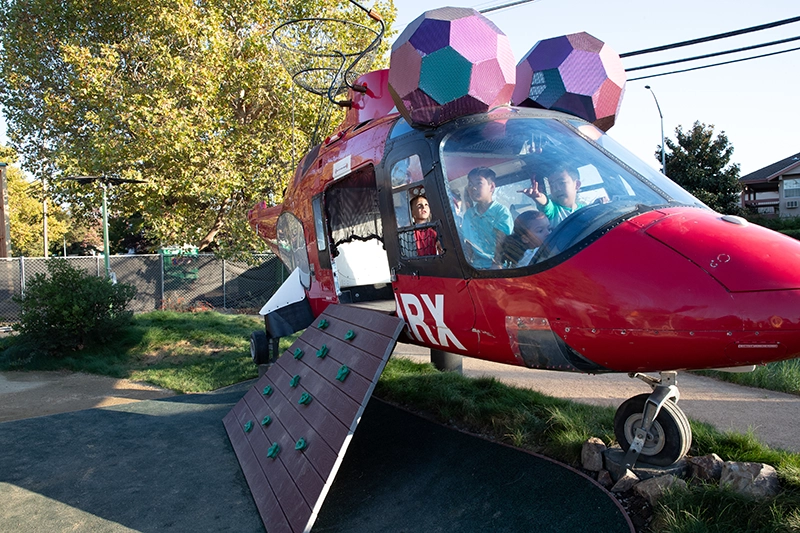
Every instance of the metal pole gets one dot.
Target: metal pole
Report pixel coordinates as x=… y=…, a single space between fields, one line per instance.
x=224 y=292
x=663 y=147
x=161 y=262
x=22 y=276
x=44 y=216
x=5 y=226
x=105 y=230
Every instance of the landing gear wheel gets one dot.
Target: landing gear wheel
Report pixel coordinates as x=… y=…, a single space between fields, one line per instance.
x=259 y=347
x=669 y=437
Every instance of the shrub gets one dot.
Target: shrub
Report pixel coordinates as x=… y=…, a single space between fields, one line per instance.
x=67 y=309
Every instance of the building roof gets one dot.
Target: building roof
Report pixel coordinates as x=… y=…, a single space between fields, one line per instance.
x=772 y=171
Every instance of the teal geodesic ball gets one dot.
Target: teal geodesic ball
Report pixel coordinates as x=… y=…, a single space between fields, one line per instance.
x=577 y=74
x=448 y=63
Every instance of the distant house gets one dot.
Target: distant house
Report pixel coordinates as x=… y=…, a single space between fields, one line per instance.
x=775 y=189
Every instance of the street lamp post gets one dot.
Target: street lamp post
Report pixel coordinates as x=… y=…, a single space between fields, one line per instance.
x=105 y=181
x=663 y=147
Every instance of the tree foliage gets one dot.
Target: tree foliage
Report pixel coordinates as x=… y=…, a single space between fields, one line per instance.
x=25 y=212
x=701 y=164
x=188 y=96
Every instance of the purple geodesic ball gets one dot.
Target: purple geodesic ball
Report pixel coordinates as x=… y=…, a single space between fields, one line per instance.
x=448 y=63
x=577 y=74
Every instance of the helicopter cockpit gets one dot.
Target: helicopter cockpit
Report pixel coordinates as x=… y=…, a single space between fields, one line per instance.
x=526 y=186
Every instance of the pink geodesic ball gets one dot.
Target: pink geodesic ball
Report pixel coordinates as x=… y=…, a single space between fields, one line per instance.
x=577 y=74
x=450 y=62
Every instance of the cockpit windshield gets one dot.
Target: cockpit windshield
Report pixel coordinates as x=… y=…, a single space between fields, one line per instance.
x=524 y=189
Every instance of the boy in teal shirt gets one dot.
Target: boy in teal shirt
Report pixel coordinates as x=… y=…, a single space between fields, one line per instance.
x=563 y=201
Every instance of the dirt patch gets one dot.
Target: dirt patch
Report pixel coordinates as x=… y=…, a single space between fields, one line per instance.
x=30 y=394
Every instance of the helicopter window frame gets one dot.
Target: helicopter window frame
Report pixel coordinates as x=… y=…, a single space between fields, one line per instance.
x=408 y=182
x=555 y=140
x=292 y=246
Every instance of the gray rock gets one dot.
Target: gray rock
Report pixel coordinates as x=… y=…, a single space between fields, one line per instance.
x=625 y=482
x=754 y=480
x=707 y=467
x=592 y=454
x=604 y=478
x=652 y=489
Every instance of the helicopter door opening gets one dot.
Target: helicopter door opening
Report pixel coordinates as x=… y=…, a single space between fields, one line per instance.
x=358 y=257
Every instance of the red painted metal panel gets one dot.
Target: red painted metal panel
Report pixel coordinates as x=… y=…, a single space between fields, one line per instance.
x=742 y=257
x=289 y=488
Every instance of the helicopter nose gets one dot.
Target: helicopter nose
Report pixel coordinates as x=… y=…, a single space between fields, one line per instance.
x=741 y=256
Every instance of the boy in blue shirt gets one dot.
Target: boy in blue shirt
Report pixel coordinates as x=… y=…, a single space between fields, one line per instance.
x=485 y=223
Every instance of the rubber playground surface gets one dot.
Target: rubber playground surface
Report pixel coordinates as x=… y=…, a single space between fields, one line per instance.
x=167 y=465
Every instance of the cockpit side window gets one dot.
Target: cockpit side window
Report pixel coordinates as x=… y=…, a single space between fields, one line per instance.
x=417 y=229
x=515 y=182
x=292 y=246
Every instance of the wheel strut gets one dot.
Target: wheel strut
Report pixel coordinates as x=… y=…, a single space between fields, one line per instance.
x=664 y=389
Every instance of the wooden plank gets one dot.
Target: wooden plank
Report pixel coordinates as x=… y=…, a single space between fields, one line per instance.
x=328 y=426
x=290 y=488
x=365 y=319
x=287 y=494
x=334 y=401
x=320 y=455
x=266 y=502
x=366 y=365
x=355 y=384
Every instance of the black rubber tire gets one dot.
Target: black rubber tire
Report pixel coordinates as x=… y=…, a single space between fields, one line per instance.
x=671 y=432
x=259 y=347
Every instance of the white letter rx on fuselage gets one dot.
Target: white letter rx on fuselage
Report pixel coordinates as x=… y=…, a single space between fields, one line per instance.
x=410 y=306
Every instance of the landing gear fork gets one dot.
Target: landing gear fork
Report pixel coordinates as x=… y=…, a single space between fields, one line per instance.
x=664 y=389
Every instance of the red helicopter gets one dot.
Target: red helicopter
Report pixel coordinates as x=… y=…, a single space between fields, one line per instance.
x=523 y=234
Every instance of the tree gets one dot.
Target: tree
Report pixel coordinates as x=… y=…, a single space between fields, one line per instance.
x=701 y=164
x=188 y=96
x=25 y=212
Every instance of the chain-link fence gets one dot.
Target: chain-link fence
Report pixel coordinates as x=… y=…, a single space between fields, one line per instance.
x=162 y=282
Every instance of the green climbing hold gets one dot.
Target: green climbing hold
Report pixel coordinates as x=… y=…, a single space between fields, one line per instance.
x=248 y=426
x=272 y=453
x=305 y=399
x=323 y=324
x=342 y=374
x=322 y=352
x=350 y=335
x=267 y=420
x=268 y=390
x=301 y=445
x=294 y=381
x=298 y=353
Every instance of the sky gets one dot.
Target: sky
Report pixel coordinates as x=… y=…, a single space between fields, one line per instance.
x=754 y=102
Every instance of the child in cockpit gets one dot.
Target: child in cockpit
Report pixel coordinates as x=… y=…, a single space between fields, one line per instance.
x=564 y=184
x=531 y=228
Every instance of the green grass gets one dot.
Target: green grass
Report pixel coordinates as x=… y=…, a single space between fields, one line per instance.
x=184 y=352
x=783 y=376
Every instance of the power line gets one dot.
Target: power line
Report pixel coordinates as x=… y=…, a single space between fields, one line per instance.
x=505 y=6
x=712 y=37
x=714 y=64
x=705 y=56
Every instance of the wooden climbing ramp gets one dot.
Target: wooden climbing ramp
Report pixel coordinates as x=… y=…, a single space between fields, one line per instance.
x=291 y=430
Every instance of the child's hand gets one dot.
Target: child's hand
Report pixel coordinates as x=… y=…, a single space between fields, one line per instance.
x=534 y=193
